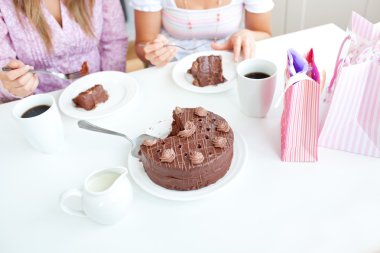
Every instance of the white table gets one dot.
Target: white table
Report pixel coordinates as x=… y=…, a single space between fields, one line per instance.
x=329 y=206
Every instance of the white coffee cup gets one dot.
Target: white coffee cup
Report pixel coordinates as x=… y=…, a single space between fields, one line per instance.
x=44 y=131
x=256 y=95
x=106 y=196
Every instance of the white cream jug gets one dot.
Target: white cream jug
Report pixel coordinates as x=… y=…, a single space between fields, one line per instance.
x=106 y=196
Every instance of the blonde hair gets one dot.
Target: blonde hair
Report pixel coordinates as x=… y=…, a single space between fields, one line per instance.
x=80 y=10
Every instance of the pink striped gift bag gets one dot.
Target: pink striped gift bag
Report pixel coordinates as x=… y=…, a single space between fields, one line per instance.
x=299 y=121
x=352 y=121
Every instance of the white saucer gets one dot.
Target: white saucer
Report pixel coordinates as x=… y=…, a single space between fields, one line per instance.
x=121 y=88
x=139 y=175
x=184 y=80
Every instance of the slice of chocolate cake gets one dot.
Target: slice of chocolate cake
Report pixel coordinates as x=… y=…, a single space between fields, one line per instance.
x=89 y=98
x=85 y=70
x=207 y=70
x=197 y=152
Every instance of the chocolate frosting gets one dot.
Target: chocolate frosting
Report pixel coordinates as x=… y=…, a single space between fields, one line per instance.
x=89 y=98
x=167 y=156
x=223 y=126
x=178 y=110
x=182 y=174
x=149 y=142
x=85 y=70
x=200 y=111
x=207 y=70
x=188 y=131
x=219 y=142
x=196 y=157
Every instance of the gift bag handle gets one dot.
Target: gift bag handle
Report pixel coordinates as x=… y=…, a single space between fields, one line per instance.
x=288 y=83
x=338 y=63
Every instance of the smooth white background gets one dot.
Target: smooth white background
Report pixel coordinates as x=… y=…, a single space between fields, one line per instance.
x=332 y=206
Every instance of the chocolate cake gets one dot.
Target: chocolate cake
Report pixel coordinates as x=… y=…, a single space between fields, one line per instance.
x=85 y=70
x=88 y=99
x=207 y=70
x=197 y=152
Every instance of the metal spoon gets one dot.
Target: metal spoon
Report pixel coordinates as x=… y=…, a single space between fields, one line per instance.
x=174 y=45
x=70 y=76
x=136 y=143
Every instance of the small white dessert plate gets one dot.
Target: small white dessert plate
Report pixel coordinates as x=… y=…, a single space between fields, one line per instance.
x=121 y=88
x=185 y=80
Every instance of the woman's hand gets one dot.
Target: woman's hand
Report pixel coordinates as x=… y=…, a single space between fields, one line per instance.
x=157 y=54
x=19 y=82
x=242 y=43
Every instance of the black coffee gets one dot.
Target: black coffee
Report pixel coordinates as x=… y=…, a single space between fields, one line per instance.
x=257 y=75
x=35 y=111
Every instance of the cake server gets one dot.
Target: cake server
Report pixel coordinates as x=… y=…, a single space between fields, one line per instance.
x=136 y=143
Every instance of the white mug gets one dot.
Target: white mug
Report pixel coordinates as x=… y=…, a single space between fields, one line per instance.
x=105 y=198
x=256 y=95
x=44 y=131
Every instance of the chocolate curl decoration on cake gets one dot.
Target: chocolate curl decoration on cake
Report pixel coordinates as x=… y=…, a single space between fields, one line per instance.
x=149 y=142
x=200 y=111
x=219 y=142
x=223 y=126
x=196 y=157
x=178 y=110
x=189 y=130
x=168 y=156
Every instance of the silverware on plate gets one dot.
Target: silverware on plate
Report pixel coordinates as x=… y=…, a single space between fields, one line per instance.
x=174 y=45
x=136 y=143
x=70 y=76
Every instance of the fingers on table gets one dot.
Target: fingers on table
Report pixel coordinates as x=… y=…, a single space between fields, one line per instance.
x=244 y=46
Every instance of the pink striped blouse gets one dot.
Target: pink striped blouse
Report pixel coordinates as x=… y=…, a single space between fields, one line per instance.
x=106 y=51
x=182 y=26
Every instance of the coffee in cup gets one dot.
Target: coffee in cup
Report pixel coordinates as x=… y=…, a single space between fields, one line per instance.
x=40 y=122
x=257 y=75
x=35 y=111
x=256 y=80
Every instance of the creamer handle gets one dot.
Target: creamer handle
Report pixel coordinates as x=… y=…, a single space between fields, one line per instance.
x=68 y=194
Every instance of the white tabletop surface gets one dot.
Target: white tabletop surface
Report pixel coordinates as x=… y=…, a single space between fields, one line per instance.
x=329 y=206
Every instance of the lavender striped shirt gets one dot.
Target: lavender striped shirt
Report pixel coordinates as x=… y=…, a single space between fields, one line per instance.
x=106 y=51
x=183 y=26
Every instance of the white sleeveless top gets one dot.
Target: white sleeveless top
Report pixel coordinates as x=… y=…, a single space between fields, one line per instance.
x=189 y=28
